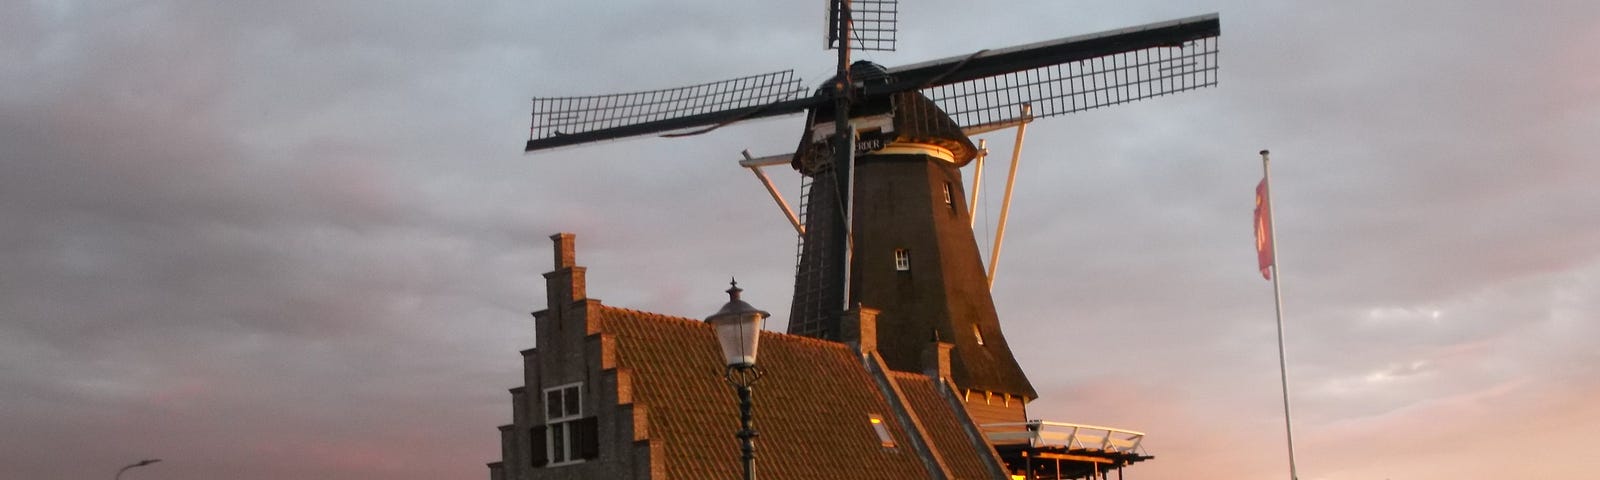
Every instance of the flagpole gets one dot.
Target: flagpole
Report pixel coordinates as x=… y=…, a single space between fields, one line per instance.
x=1277 y=296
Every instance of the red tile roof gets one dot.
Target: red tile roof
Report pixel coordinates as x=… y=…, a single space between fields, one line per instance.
x=944 y=425
x=811 y=408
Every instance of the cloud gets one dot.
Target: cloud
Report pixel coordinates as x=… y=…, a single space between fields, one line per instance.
x=299 y=240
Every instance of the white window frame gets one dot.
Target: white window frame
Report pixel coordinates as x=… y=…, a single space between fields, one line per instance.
x=564 y=423
x=949 y=199
x=902 y=260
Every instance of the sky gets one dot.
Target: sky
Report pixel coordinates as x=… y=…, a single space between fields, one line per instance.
x=300 y=240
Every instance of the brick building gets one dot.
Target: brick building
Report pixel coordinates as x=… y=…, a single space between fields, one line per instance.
x=616 y=393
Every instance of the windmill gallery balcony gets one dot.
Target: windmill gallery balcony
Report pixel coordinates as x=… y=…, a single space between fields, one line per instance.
x=1065 y=450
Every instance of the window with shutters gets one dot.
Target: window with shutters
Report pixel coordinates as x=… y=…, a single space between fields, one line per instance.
x=566 y=437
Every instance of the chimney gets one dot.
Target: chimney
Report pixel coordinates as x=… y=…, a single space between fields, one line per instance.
x=565 y=284
x=565 y=254
x=936 y=357
x=859 y=328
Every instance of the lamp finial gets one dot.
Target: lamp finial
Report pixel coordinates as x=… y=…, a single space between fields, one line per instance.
x=733 y=289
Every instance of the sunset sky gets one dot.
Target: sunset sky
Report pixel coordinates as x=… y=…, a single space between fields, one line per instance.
x=300 y=240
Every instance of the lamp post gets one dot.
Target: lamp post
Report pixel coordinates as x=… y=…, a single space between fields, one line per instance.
x=738 y=327
x=140 y=463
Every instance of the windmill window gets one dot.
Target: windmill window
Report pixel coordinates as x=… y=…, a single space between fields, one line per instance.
x=882 y=430
x=948 y=198
x=978 y=334
x=902 y=260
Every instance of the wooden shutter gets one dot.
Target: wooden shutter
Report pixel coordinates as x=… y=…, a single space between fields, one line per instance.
x=540 y=454
x=587 y=437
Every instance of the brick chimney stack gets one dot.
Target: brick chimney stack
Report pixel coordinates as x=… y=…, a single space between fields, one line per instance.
x=565 y=284
x=936 y=358
x=860 y=328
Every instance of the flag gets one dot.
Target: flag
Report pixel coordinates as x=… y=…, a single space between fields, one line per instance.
x=1264 y=230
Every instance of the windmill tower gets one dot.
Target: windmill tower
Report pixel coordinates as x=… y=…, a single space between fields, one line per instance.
x=886 y=223
x=912 y=252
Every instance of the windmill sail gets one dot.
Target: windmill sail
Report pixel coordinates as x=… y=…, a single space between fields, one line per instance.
x=986 y=88
x=872 y=24
x=563 y=121
x=1070 y=74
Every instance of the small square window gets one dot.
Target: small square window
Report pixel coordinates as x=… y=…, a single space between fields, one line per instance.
x=902 y=260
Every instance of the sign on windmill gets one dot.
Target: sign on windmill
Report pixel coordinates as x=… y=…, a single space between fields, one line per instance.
x=867 y=108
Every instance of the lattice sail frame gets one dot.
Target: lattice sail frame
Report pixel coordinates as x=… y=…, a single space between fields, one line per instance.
x=559 y=116
x=872 y=24
x=1080 y=85
x=980 y=91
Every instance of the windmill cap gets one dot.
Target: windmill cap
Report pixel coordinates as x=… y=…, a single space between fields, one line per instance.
x=916 y=118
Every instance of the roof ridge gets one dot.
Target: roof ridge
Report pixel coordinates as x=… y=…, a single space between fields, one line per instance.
x=805 y=339
x=662 y=316
x=666 y=317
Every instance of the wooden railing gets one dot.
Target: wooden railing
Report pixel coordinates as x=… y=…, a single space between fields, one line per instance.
x=1038 y=433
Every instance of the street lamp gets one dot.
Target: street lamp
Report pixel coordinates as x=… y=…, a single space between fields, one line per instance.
x=738 y=327
x=140 y=463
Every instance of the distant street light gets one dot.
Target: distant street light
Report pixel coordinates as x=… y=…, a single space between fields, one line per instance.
x=738 y=327
x=140 y=463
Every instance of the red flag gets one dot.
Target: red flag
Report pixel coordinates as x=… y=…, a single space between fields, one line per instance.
x=1264 y=230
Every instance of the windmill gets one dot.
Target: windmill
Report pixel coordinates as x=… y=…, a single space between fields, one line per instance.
x=885 y=223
